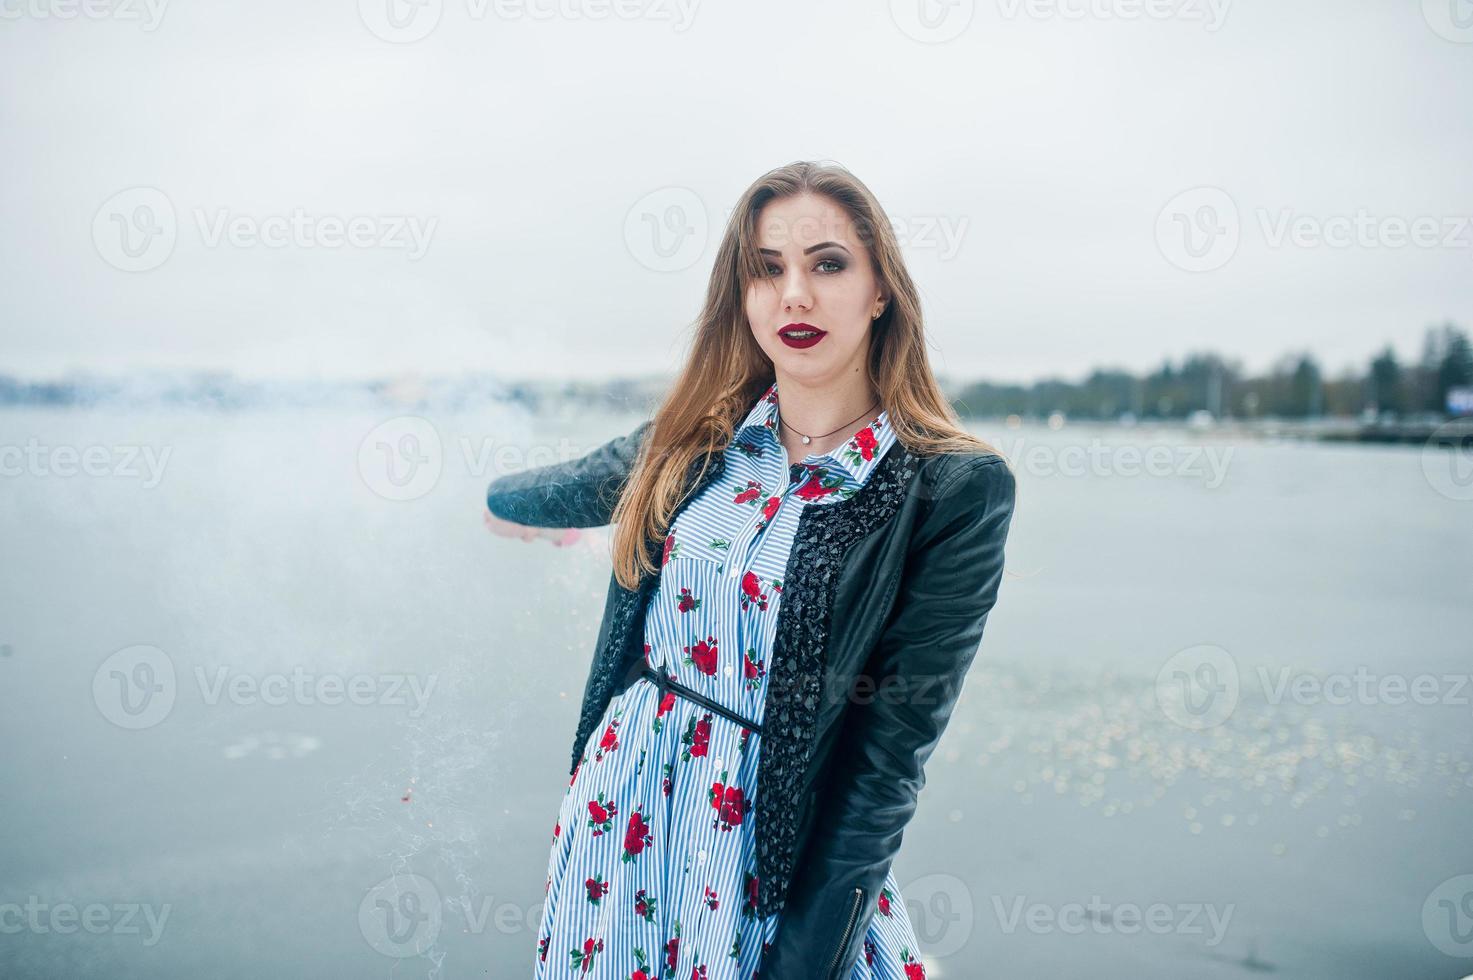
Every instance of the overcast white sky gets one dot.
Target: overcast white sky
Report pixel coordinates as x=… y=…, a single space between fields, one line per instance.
x=536 y=145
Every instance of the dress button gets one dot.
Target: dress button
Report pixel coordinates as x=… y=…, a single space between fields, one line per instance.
x=728 y=670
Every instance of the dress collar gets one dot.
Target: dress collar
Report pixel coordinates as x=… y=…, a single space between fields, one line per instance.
x=857 y=456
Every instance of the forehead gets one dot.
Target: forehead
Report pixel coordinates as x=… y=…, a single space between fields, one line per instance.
x=799 y=221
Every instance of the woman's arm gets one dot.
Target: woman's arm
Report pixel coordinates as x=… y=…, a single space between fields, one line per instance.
x=947 y=589
x=581 y=492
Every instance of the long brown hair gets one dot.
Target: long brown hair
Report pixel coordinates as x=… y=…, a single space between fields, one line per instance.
x=726 y=370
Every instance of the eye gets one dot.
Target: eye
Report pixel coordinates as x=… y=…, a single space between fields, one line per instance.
x=837 y=267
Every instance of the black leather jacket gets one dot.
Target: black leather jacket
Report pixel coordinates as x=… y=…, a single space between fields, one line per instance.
x=874 y=637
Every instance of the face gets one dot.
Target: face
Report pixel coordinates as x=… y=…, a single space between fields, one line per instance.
x=818 y=274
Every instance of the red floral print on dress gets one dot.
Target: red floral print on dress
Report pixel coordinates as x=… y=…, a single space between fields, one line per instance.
x=596 y=888
x=749 y=887
x=637 y=837
x=754 y=668
x=583 y=958
x=750 y=493
x=644 y=907
x=601 y=814
x=768 y=509
x=752 y=593
x=697 y=737
x=820 y=484
x=702 y=655
x=728 y=802
x=609 y=743
x=667 y=702
x=672 y=950
x=864 y=443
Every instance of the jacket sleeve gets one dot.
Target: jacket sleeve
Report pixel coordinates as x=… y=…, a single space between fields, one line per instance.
x=947 y=588
x=581 y=492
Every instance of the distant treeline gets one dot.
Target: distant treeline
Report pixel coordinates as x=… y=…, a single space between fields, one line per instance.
x=1294 y=388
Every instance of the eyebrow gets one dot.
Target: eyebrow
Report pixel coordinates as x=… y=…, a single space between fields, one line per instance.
x=810 y=248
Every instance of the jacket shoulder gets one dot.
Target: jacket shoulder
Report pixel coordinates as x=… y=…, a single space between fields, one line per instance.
x=961 y=479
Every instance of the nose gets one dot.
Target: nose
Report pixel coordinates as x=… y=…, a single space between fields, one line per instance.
x=796 y=295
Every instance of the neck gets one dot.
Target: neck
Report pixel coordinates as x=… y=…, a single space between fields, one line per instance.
x=817 y=411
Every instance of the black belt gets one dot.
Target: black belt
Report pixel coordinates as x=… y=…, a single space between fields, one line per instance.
x=664 y=683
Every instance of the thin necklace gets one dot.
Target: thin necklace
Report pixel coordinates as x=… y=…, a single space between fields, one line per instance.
x=808 y=439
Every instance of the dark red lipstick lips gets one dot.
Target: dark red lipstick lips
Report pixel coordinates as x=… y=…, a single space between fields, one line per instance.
x=813 y=335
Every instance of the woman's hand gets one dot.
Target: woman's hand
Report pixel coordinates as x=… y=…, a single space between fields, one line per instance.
x=561 y=537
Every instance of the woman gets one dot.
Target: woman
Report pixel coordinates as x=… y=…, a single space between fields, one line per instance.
x=783 y=641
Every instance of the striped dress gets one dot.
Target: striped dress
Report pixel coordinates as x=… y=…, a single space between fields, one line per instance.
x=652 y=871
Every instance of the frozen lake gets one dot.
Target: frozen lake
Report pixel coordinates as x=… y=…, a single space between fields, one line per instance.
x=278 y=706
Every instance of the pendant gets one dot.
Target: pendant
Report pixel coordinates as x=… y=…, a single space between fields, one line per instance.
x=806 y=440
